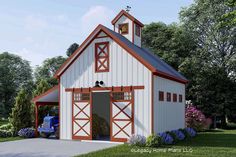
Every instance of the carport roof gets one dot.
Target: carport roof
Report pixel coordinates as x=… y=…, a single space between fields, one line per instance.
x=50 y=95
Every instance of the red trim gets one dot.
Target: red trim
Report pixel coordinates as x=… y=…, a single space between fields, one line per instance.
x=89 y=120
x=80 y=48
x=98 y=51
x=130 y=120
x=139 y=58
x=86 y=43
x=170 y=77
x=122 y=12
x=45 y=93
x=115 y=89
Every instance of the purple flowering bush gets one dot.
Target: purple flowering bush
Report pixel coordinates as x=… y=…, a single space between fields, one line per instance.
x=191 y=132
x=179 y=135
x=195 y=119
x=166 y=138
x=137 y=140
x=27 y=132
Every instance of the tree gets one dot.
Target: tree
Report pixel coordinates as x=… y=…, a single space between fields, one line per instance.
x=15 y=73
x=229 y=18
x=72 y=49
x=170 y=42
x=42 y=87
x=47 y=70
x=21 y=113
x=211 y=68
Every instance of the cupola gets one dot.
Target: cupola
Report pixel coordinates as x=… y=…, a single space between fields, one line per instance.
x=128 y=26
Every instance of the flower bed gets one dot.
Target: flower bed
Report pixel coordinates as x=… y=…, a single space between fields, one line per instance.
x=164 y=138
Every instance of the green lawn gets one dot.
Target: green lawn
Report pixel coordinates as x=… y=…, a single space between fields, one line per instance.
x=220 y=143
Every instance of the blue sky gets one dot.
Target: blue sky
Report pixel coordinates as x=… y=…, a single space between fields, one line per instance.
x=40 y=29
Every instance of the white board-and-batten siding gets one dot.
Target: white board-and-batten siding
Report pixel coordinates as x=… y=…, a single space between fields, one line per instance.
x=168 y=115
x=124 y=70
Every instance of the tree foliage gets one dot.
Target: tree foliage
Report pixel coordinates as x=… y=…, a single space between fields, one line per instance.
x=47 y=70
x=229 y=18
x=15 y=73
x=21 y=113
x=72 y=49
x=211 y=68
x=170 y=42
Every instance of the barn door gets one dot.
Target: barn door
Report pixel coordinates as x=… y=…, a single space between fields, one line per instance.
x=122 y=117
x=81 y=116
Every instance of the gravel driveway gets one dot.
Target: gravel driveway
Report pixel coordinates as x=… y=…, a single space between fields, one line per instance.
x=39 y=147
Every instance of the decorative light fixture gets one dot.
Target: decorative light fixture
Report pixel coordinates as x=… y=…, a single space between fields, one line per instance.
x=99 y=83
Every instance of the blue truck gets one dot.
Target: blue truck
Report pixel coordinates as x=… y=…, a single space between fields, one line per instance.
x=49 y=127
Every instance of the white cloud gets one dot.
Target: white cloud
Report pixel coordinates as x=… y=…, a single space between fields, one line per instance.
x=94 y=16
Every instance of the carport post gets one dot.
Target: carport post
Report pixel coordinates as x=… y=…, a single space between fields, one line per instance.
x=36 y=119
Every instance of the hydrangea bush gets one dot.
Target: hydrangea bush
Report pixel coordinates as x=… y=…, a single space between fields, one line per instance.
x=194 y=118
x=178 y=134
x=27 y=132
x=166 y=138
x=191 y=132
x=137 y=140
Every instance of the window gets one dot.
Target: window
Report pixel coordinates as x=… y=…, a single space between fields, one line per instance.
x=180 y=98
x=124 y=28
x=161 y=96
x=102 y=57
x=122 y=95
x=174 y=97
x=137 y=30
x=81 y=96
x=168 y=97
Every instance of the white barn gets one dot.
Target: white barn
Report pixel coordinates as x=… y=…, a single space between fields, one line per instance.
x=111 y=76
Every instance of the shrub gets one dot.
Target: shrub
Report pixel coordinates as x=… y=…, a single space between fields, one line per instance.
x=191 y=132
x=21 y=113
x=179 y=135
x=166 y=138
x=7 y=126
x=173 y=135
x=5 y=133
x=184 y=132
x=27 y=132
x=137 y=140
x=194 y=118
x=153 y=141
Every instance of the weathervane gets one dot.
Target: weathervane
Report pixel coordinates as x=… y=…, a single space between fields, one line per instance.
x=127 y=9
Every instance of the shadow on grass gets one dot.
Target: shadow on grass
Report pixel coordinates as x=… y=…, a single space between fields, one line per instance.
x=211 y=140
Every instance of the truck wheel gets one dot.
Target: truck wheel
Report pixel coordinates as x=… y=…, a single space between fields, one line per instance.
x=44 y=135
x=57 y=133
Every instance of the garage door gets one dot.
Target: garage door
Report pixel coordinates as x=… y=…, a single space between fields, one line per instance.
x=122 y=122
x=81 y=116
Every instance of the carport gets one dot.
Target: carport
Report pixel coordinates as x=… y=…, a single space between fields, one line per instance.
x=50 y=97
